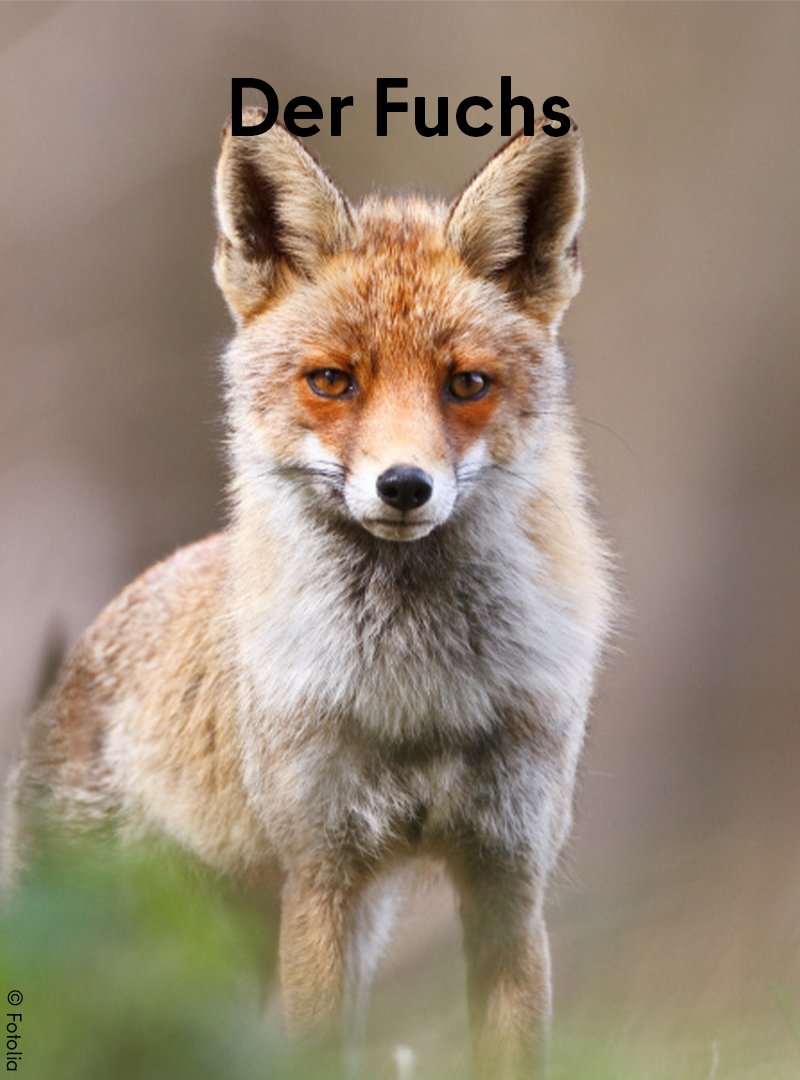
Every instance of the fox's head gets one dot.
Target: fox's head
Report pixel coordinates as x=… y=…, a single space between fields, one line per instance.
x=390 y=356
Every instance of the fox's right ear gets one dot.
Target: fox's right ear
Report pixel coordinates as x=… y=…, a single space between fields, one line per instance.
x=279 y=215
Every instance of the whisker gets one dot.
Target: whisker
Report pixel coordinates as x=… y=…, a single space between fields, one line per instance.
x=515 y=476
x=550 y=502
x=616 y=434
x=468 y=477
x=333 y=473
x=559 y=412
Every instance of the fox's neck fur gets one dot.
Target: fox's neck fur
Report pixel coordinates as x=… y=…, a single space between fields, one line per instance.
x=397 y=643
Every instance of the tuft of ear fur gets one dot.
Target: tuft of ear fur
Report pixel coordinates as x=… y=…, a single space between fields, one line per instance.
x=279 y=215
x=517 y=221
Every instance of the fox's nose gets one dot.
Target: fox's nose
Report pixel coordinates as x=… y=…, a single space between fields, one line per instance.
x=405 y=487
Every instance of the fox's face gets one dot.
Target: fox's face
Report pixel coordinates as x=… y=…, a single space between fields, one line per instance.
x=390 y=357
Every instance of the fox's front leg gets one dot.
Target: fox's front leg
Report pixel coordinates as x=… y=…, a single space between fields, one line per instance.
x=330 y=940
x=315 y=917
x=508 y=970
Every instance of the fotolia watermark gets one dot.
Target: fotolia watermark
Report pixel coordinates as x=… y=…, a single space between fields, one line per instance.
x=13 y=1033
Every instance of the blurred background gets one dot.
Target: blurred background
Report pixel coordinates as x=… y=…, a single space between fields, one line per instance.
x=676 y=921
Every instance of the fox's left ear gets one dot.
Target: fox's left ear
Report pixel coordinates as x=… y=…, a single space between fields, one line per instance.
x=280 y=215
x=517 y=222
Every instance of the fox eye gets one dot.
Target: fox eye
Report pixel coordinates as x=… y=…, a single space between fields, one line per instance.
x=467 y=385
x=330 y=382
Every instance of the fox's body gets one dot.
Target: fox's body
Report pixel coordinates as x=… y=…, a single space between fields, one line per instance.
x=390 y=651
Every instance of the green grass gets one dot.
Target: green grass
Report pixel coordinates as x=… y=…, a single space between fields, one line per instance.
x=131 y=966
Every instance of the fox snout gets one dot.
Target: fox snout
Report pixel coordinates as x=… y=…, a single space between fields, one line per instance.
x=405 y=487
x=402 y=502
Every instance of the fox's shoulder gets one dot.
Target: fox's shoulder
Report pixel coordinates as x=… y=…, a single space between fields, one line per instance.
x=168 y=611
x=187 y=579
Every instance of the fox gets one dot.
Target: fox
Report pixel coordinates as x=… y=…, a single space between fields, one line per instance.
x=388 y=655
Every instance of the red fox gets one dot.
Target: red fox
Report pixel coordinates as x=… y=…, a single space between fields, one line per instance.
x=390 y=650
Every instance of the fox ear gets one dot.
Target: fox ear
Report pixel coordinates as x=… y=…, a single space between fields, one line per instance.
x=279 y=215
x=517 y=222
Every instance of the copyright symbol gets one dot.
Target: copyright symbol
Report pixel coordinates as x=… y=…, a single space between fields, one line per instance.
x=14 y=997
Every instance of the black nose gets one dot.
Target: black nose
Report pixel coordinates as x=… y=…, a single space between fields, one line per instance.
x=405 y=487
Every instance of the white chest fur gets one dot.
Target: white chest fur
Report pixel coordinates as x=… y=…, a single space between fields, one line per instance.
x=443 y=634
x=370 y=672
